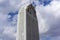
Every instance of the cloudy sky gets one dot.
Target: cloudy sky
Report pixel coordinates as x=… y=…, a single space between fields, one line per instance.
x=48 y=14
x=8 y=18
x=47 y=11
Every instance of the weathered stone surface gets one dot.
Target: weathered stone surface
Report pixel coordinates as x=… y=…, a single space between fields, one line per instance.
x=31 y=24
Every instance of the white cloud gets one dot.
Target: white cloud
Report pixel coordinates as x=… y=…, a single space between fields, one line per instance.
x=41 y=22
x=55 y=38
x=54 y=7
x=7 y=6
x=2 y=1
x=1 y=39
x=14 y=20
x=48 y=16
x=10 y=31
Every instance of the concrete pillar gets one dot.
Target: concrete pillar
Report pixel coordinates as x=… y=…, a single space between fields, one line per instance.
x=27 y=26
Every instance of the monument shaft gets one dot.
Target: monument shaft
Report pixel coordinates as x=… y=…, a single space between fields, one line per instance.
x=27 y=27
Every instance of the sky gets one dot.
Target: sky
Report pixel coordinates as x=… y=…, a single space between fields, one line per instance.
x=49 y=19
x=48 y=15
x=8 y=18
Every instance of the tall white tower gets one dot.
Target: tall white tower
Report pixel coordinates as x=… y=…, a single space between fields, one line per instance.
x=27 y=26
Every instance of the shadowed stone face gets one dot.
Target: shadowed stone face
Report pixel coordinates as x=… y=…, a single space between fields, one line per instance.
x=31 y=24
x=31 y=10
